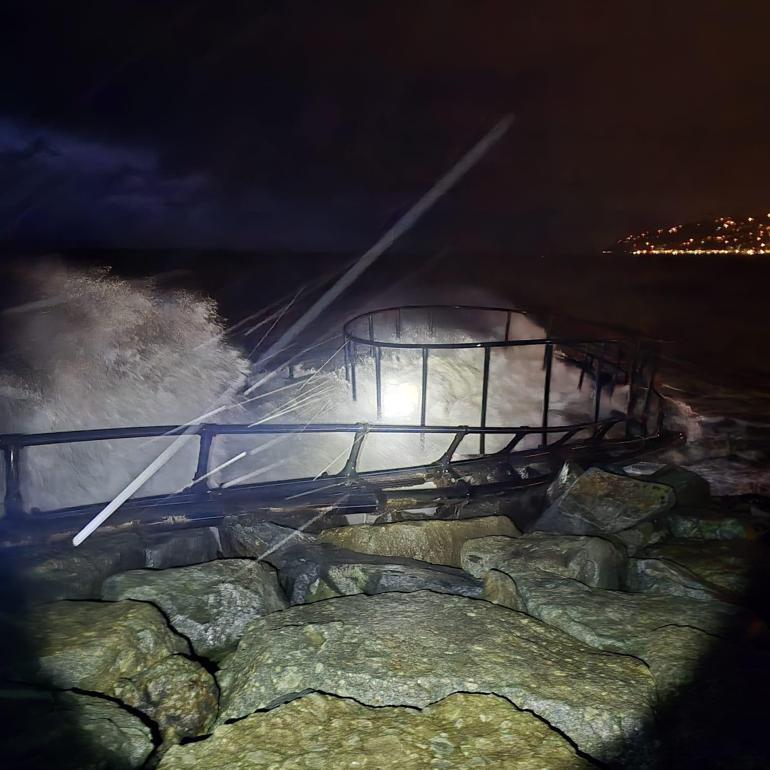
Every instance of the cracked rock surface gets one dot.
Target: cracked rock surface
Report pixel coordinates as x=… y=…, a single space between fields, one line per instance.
x=321 y=731
x=414 y=649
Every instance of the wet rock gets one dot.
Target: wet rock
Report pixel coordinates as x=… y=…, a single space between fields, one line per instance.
x=208 y=603
x=120 y=649
x=245 y=536
x=70 y=731
x=713 y=708
x=712 y=525
x=177 y=693
x=612 y=620
x=501 y=589
x=600 y=502
x=640 y=536
x=729 y=564
x=321 y=571
x=690 y=489
x=460 y=731
x=567 y=476
x=63 y=572
x=181 y=548
x=592 y=560
x=660 y=576
x=438 y=542
x=416 y=648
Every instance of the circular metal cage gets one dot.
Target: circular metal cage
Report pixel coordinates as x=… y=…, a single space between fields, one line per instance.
x=606 y=362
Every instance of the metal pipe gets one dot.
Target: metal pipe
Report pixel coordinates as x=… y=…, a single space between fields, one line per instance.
x=398 y=323
x=484 y=397
x=378 y=379
x=547 y=391
x=424 y=388
x=206 y=434
x=508 y=326
x=353 y=388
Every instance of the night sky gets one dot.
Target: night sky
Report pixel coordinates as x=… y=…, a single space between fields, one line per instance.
x=312 y=125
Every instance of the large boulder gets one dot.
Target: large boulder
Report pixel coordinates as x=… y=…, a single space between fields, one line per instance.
x=460 y=731
x=209 y=603
x=321 y=571
x=70 y=731
x=180 y=547
x=125 y=650
x=707 y=524
x=690 y=489
x=569 y=473
x=592 y=560
x=438 y=542
x=48 y=574
x=605 y=503
x=713 y=708
x=416 y=648
x=661 y=576
x=249 y=537
x=612 y=620
x=732 y=565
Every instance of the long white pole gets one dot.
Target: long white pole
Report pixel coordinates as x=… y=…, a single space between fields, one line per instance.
x=405 y=223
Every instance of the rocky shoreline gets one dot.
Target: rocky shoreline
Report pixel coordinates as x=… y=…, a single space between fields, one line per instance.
x=627 y=629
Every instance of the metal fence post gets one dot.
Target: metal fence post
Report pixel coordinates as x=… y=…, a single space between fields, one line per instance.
x=484 y=397
x=13 y=503
x=547 y=391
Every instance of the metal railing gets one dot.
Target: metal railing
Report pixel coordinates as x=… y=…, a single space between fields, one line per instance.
x=614 y=361
x=608 y=362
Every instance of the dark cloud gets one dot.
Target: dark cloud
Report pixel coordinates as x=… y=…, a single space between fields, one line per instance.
x=303 y=123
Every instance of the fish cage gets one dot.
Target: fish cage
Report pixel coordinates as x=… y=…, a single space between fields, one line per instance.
x=623 y=416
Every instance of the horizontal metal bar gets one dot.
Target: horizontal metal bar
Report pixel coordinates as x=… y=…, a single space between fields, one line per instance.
x=103 y=434
x=482 y=344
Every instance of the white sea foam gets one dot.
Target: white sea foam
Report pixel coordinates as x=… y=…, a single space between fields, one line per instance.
x=92 y=350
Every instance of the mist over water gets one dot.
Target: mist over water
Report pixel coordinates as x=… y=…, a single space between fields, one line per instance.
x=92 y=350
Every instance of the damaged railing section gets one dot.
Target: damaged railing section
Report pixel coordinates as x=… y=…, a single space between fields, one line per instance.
x=608 y=362
x=12 y=446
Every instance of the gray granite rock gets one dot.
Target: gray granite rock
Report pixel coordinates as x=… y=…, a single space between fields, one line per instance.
x=661 y=576
x=210 y=603
x=438 y=542
x=460 y=731
x=706 y=524
x=592 y=560
x=565 y=478
x=181 y=547
x=246 y=536
x=416 y=648
x=612 y=620
x=48 y=574
x=70 y=731
x=732 y=565
x=321 y=571
x=605 y=503
x=120 y=649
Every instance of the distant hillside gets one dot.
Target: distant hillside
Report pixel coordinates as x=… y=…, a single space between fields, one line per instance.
x=725 y=235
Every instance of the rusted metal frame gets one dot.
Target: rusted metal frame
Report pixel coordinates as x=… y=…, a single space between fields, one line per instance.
x=206 y=434
x=424 y=387
x=484 y=398
x=351 y=464
x=510 y=446
x=547 y=391
x=446 y=458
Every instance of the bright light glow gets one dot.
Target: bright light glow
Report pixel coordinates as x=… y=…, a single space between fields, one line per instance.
x=400 y=400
